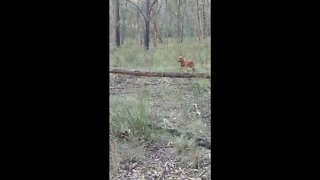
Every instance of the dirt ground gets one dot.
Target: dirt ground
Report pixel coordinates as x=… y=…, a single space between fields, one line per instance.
x=179 y=103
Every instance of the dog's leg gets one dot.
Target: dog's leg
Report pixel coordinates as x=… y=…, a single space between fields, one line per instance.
x=183 y=69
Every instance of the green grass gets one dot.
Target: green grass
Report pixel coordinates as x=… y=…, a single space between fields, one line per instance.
x=130 y=115
x=200 y=86
x=163 y=58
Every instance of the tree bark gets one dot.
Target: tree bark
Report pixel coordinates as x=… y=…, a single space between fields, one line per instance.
x=209 y=15
x=178 y=25
x=203 y=21
x=139 y=29
x=199 y=21
x=194 y=22
x=117 y=23
x=156 y=23
x=159 y=74
x=147 y=21
x=130 y=28
x=156 y=33
x=111 y=13
x=182 y=21
x=124 y=26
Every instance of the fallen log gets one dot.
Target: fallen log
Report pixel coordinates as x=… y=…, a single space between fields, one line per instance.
x=159 y=74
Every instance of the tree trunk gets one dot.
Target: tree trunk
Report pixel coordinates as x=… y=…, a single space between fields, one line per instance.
x=147 y=21
x=111 y=20
x=210 y=18
x=154 y=31
x=199 y=21
x=139 y=28
x=167 y=26
x=156 y=23
x=203 y=21
x=182 y=21
x=156 y=34
x=124 y=26
x=178 y=16
x=117 y=23
x=194 y=23
x=153 y=17
x=130 y=28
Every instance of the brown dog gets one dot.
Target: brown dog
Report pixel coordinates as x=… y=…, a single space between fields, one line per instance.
x=184 y=63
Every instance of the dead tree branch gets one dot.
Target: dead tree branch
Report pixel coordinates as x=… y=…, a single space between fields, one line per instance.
x=145 y=19
x=152 y=4
x=159 y=74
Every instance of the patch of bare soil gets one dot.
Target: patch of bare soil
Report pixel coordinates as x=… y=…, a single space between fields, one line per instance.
x=162 y=163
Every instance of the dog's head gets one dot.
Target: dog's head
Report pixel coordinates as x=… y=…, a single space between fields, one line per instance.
x=180 y=58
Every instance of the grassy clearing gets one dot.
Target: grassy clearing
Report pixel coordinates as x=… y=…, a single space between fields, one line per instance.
x=138 y=150
x=163 y=58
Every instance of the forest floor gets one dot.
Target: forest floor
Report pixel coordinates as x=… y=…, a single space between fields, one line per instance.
x=155 y=122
